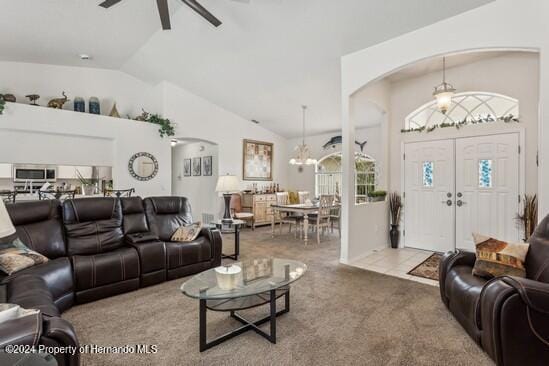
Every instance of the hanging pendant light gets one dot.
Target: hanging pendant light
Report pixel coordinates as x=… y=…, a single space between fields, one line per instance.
x=302 y=154
x=444 y=92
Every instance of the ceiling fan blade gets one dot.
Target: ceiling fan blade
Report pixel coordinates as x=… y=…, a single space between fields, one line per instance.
x=193 y=4
x=108 y=3
x=164 y=14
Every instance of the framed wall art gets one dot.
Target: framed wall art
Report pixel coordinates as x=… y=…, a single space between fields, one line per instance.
x=207 y=166
x=186 y=167
x=197 y=167
x=257 y=162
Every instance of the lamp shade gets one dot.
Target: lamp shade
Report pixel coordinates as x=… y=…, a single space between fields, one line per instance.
x=6 y=226
x=227 y=183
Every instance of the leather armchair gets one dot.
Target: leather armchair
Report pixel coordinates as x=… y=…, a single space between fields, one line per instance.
x=165 y=215
x=507 y=316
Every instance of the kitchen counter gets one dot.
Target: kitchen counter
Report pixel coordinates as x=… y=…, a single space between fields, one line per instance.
x=25 y=197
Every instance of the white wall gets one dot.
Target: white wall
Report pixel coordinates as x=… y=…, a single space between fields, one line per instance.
x=486 y=27
x=305 y=180
x=43 y=135
x=513 y=74
x=198 y=118
x=129 y=93
x=200 y=190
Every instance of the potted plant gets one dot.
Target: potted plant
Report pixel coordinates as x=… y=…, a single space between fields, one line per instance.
x=376 y=196
x=395 y=207
x=529 y=215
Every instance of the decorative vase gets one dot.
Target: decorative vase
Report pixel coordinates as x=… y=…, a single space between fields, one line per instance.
x=114 y=112
x=79 y=104
x=94 y=107
x=394 y=234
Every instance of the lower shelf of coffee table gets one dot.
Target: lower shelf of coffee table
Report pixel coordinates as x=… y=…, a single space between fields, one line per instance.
x=242 y=303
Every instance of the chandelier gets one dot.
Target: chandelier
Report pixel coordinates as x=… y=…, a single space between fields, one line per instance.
x=444 y=92
x=302 y=153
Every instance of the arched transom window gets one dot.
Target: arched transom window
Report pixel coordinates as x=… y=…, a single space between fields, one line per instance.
x=328 y=176
x=468 y=106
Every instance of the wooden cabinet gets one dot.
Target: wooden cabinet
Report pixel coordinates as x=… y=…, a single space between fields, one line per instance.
x=260 y=206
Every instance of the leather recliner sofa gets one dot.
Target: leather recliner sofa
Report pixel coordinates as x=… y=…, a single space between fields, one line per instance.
x=507 y=316
x=97 y=247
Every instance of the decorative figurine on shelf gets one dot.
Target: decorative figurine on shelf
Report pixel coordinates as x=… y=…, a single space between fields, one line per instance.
x=114 y=112
x=8 y=98
x=79 y=104
x=94 y=106
x=58 y=103
x=144 y=117
x=33 y=98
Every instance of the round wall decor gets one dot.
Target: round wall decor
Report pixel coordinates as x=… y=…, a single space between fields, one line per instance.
x=143 y=166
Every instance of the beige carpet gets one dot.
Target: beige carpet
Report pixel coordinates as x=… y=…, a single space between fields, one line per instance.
x=340 y=315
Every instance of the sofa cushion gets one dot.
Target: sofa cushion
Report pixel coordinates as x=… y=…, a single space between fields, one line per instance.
x=182 y=254
x=167 y=214
x=101 y=269
x=31 y=292
x=499 y=258
x=135 y=220
x=187 y=233
x=16 y=256
x=93 y=225
x=39 y=226
x=463 y=291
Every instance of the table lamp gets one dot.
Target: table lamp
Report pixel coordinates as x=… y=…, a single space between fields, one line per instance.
x=227 y=184
x=6 y=226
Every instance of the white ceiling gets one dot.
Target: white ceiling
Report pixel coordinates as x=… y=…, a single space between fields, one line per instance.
x=267 y=59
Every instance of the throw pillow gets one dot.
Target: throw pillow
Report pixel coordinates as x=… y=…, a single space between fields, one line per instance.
x=499 y=258
x=187 y=233
x=15 y=256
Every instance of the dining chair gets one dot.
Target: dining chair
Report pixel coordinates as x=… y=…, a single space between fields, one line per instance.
x=238 y=212
x=56 y=195
x=303 y=196
x=320 y=221
x=8 y=196
x=335 y=217
x=118 y=192
x=282 y=198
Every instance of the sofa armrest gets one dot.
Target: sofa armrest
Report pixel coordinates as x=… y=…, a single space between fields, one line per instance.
x=214 y=236
x=21 y=331
x=448 y=261
x=514 y=319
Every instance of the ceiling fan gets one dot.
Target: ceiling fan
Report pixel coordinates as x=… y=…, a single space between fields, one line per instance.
x=165 y=14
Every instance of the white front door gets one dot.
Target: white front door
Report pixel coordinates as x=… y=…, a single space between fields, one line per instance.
x=487 y=188
x=429 y=185
x=454 y=188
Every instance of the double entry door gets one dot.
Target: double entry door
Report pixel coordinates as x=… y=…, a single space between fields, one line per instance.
x=455 y=187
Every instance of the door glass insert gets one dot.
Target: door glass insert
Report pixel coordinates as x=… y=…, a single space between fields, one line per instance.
x=428 y=167
x=485 y=173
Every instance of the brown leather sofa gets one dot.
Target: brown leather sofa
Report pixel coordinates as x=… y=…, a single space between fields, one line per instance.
x=507 y=316
x=98 y=247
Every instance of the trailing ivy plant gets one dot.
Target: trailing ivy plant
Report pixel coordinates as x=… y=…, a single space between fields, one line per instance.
x=167 y=128
x=2 y=105
x=480 y=120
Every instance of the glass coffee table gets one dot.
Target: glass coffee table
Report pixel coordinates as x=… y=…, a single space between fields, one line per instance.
x=244 y=285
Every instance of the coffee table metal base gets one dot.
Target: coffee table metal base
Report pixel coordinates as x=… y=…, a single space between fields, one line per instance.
x=226 y=305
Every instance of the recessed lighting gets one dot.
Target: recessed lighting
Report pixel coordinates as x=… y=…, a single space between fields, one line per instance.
x=84 y=56
x=255 y=121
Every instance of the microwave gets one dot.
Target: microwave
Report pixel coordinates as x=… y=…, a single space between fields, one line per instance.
x=35 y=173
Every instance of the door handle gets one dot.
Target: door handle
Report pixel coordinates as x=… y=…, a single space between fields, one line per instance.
x=447 y=202
x=460 y=203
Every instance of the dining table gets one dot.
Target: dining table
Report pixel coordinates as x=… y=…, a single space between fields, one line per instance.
x=304 y=209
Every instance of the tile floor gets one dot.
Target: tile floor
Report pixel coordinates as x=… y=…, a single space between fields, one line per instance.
x=396 y=262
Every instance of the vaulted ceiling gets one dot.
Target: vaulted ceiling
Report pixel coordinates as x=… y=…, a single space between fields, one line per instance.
x=265 y=60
